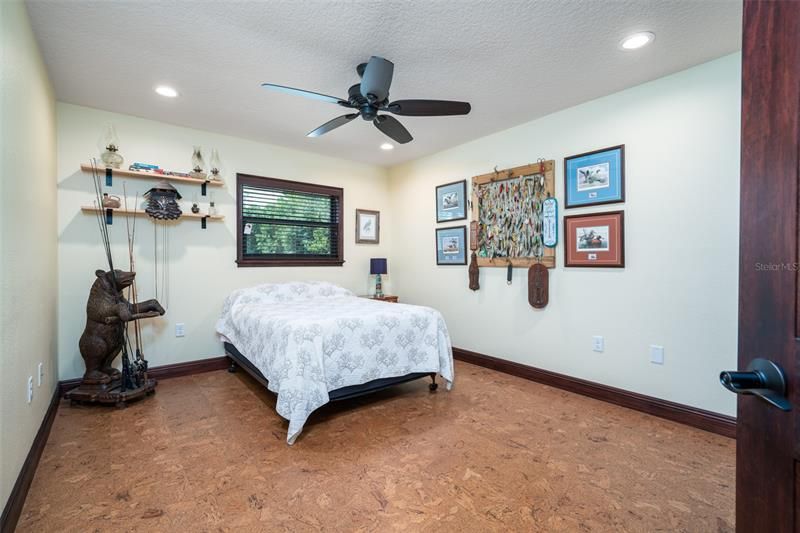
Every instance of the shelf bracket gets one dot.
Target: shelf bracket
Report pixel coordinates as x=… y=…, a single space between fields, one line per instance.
x=109 y=217
x=203 y=220
x=203 y=188
x=108 y=178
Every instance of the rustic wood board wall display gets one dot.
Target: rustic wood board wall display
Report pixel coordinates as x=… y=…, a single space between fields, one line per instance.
x=502 y=204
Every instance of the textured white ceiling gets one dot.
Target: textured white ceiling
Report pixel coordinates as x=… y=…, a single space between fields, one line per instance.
x=513 y=60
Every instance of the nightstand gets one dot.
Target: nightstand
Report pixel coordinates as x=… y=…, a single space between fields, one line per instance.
x=384 y=298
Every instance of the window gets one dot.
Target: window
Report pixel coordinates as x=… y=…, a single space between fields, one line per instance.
x=288 y=223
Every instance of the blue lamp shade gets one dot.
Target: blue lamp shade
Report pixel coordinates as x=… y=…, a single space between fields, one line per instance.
x=377 y=265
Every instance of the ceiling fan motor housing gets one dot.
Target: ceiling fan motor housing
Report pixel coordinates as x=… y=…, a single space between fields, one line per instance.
x=357 y=101
x=376 y=79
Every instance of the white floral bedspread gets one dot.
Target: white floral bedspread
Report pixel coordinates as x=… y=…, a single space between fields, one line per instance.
x=309 y=338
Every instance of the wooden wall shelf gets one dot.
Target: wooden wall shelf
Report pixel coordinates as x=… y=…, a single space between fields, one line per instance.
x=140 y=212
x=151 y=175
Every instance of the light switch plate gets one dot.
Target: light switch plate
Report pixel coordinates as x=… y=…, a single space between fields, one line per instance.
x=598 y=343
x=30 y=389
x=656 y=354
x=40 y=374
x=180 y=329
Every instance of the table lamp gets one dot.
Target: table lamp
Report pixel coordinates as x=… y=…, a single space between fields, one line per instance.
x=377 y=266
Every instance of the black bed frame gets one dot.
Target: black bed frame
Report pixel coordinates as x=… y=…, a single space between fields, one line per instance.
x=239 y=360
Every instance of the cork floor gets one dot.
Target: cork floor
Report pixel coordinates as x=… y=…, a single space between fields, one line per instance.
x=497 y=453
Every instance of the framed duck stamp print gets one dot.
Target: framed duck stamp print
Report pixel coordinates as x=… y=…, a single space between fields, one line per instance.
x=451 y=201
x=451 y=246
x=595 y=178
x=595 y=240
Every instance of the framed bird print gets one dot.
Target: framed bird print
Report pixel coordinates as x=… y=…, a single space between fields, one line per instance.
x=595 y=240
x=595 y=178
x=368 y=226
x=451 y=246
x=451 y=201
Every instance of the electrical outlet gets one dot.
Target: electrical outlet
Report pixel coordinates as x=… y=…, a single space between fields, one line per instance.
x=656 y=354
x=598 y=343
x=41 y=374
x=30 y=389
x=180 y=329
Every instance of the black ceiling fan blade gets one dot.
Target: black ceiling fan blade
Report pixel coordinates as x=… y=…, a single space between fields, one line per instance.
x=391 y=126
x=332 y=125
x=376 y=79
x=307 y=94
x=428 y=108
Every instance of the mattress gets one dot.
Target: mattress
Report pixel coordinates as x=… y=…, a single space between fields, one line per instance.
x=310 y=338
x=344 y=393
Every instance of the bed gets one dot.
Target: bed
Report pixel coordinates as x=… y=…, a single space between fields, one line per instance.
x=315 y=342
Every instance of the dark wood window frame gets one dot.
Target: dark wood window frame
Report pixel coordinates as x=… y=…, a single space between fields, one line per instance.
x=297 y=260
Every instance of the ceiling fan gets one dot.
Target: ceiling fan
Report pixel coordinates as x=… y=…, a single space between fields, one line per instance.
x=371 y=97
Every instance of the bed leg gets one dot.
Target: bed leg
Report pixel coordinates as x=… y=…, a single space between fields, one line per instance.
x=232 y=368
x=433 y=386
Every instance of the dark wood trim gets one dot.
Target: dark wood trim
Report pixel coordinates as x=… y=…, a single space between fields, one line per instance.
x=16 y=500
x=691 y=416
x=291 y=260
x=621 y=200
x=66 y=385
x=299 y=186
x=311 y=261
x=166 y=371
x=188 y=368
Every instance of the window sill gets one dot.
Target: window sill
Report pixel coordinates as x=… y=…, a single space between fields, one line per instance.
x=289 y=262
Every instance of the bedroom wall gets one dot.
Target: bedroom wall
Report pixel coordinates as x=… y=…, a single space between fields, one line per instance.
x=679 y=286
x=202 y=271
x=27 y=240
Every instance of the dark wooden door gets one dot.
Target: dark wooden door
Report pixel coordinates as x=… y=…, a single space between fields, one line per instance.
x=767 y=467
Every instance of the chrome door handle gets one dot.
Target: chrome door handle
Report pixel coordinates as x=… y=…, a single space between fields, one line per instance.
x=763 y=378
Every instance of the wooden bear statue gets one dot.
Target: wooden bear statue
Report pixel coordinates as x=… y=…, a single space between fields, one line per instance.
x=107 y=311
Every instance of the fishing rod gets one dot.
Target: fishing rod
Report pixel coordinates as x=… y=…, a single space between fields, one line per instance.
x=133 y=296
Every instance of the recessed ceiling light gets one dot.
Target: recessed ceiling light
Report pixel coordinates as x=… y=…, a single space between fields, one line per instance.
x=387 y=146
x=637 y=40
x=169 y=92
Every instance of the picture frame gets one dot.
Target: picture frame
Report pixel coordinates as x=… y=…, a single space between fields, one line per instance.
x=451 y=201
x=451 y=245
x=368 y=226
x=595 y=178
x=595 y=240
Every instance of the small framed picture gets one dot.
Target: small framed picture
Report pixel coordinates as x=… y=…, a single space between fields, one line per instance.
x=595 y=178
x=368 y=226
x=451 y=201
x=451 y=246
x=595 y=240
